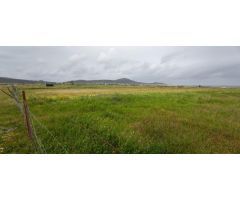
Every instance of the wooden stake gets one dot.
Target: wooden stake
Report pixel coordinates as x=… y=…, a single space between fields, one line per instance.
x=27 y=117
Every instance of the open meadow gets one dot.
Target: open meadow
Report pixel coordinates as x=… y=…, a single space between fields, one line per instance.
x=123 y=119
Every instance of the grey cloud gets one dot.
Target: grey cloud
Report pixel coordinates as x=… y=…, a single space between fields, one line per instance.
x=173 y=65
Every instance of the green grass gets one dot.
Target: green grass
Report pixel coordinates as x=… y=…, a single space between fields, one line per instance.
x=113 y=119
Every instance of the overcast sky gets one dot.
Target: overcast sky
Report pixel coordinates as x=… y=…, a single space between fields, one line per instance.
x=171 y=65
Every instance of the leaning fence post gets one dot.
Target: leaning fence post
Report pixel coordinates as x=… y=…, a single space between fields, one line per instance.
x=27 y=117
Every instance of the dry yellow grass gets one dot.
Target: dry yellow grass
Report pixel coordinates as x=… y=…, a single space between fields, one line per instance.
x=107 y=90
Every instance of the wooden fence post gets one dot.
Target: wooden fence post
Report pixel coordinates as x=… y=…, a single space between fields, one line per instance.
x=27 y=117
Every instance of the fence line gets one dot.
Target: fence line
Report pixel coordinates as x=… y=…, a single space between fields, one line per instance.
x=14 y=94
x=30 y=120
x=49 y=132
x=38 y=141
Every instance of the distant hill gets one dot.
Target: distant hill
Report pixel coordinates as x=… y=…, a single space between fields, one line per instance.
x=5 y=80
x=157 y=83
x=13 y=80
x=121 y=81
x=118 y=81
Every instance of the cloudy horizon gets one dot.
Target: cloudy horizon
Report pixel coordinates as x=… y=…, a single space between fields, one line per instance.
x=170 y=65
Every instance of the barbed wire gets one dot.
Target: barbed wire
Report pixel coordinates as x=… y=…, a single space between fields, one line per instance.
x=14 y=94
x=38 y=141
x=49 y=132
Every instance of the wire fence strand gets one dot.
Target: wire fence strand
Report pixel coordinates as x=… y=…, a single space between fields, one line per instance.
x=14 y=94
x=49 y=132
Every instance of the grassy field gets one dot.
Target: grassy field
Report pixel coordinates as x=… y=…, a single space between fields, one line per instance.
x=124 y=119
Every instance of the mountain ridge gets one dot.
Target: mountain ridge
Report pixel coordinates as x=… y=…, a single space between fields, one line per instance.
x=106 y=81
x=7 y=80
x=16 y=80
